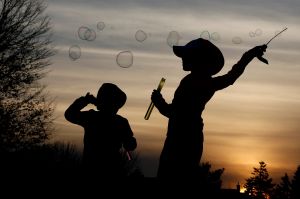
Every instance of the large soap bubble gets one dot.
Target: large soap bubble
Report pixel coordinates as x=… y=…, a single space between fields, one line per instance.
x=74 y=52
x=173 y=38
x=125 y=59
x=140 y=36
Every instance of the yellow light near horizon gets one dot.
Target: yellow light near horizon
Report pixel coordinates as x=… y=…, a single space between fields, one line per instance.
x=242 y=190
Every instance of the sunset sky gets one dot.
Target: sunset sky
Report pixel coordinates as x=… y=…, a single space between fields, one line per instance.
x=256 y=119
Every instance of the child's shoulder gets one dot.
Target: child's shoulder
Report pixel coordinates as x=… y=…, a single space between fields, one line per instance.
x=121 y=119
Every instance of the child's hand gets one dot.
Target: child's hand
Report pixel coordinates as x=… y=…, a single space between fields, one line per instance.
x=90 y=99
x=156 y=97
x=257 y=51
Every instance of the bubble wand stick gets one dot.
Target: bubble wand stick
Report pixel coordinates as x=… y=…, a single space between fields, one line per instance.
x=151 y=106
x=276 y=36
x=263 y=59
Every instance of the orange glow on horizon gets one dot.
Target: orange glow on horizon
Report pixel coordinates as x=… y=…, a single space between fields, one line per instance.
x=242 y=190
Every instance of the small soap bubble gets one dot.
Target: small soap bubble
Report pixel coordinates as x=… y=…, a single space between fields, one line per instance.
x=74 y=52
x=215 y=36
x=173 y=38
x=237 y=40
x=125 y=59
x=140 y=36
x=258 y=32
x=100 y=25
x=252 y=34
x=205 y=35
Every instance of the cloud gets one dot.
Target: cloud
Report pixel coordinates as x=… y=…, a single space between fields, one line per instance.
x=269 y=9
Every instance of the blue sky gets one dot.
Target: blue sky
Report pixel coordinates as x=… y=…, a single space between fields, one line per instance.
x=255 y=119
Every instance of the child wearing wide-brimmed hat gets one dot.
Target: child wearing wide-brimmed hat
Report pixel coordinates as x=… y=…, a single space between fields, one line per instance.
x=183 y=146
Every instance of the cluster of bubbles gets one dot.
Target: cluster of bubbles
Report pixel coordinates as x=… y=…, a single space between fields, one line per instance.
x=210 y=36
x=125 y=58
x=257 y=32
x=87 y=34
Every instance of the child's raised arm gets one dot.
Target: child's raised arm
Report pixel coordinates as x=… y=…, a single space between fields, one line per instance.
x=73 y=112
x=237 y=70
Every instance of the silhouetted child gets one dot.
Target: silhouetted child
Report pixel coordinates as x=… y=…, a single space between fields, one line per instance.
x=106 y=132
x=183 y=146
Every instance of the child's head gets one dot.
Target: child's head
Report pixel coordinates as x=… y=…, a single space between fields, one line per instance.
x=110 y=98
x=200 y=55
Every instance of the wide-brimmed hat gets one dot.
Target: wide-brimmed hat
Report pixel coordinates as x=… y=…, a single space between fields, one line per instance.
x=203 y=50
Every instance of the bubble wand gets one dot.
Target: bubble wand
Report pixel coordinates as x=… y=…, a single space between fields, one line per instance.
x=276 y=36
x=263 y=59
x=151 y=106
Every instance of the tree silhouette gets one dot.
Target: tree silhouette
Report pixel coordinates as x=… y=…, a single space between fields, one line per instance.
x=210 y=180
x=283 y=189
x=25 y=111
x=296 y=184
x=259 y=186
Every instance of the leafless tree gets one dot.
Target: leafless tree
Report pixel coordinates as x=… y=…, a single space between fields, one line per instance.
x=25 y=50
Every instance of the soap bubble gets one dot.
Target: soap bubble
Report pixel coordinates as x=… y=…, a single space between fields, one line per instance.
x=86 y=33
x=140 y=36
x=74 y=52
x=205 y=35
x=125 y=59
x=100 y=25
x=258 y=32
x=237 y=40
x=81 y=32
x=90 y=35
x=173 y=38
x=215 y=36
